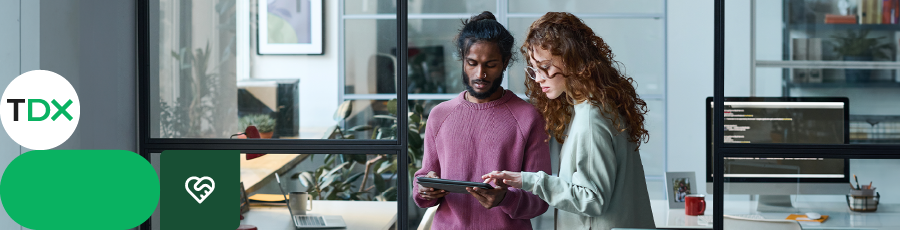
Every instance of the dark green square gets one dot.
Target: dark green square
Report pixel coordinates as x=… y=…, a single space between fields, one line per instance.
x=180 y=210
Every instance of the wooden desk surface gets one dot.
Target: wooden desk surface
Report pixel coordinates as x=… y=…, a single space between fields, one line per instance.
x=259 y=171
x=356 y=214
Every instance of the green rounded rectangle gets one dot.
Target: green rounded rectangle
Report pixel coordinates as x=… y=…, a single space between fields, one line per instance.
x=73 y=189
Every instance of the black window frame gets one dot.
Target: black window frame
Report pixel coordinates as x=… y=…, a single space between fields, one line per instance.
x=148 y=144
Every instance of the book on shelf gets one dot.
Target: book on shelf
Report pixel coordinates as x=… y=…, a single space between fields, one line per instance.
x=806 y=49
x=814 y=53
x=861 y=10
x=800 y=52
x=840 y=19
x=877 y=5
x=877 y=12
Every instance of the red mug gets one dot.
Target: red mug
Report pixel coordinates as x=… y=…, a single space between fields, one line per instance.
x=694 y=204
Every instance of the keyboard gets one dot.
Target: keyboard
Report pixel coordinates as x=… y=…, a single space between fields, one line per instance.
x=309 y=221
x=707 y=220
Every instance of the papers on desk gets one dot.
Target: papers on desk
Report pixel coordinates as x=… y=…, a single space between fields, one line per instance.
x=799 y=217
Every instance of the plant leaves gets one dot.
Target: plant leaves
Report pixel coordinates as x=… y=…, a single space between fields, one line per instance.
x=357 y=158
x=360 y=128
x=379 y=182
x=389 y=194
x=306 y=179
x=392 y=106
x=336 y=169
x=327 y=181
x=354 y=177
x=386 y=117
x=343 y=111
x=388 y=166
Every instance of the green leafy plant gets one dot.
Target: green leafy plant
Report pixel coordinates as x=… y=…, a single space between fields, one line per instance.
x=264 y=123
x=853 y=44
x=330 y=181
x=334 y=180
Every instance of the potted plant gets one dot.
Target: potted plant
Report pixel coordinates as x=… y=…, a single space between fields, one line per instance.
x=264 y=123
x=853 y=46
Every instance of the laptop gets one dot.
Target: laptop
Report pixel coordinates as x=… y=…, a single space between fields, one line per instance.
x=311 y=221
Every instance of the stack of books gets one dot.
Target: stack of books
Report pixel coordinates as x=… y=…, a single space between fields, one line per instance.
x=878 y=11
x=869 y=12
x=806 y=49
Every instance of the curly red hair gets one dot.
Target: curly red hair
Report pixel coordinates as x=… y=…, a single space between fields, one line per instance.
x=591 y=75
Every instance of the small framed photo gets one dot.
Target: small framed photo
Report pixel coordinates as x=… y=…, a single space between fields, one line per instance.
x=678 y=186
x=289 y=27
x=245 y=202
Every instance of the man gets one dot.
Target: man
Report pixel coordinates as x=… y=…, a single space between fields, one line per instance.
x=485 y=128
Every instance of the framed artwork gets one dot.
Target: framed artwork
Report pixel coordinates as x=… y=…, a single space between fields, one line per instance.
x=289 y=27
x=678 y=186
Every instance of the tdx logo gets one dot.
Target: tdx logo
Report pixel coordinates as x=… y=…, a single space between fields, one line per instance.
x=39 y=110
x=60 y=109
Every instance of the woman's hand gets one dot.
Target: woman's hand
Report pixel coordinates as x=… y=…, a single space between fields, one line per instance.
x=431 y=193
x=513 y=179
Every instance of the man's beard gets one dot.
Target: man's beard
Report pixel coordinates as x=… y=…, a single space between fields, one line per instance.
x=493 y=89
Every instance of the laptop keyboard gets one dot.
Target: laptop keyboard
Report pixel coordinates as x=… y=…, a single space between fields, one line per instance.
x=309 y=221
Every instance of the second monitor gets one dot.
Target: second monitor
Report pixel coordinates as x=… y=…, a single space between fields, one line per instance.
x=766 y=120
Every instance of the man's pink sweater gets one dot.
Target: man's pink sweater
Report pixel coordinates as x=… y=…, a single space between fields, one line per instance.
x=465 y=140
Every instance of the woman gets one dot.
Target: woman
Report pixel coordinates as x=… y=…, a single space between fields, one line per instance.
x=592 y=109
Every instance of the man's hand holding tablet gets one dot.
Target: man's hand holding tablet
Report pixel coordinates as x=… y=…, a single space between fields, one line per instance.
x=431 y=193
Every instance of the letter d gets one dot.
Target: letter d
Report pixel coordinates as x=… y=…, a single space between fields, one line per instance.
x=31 y=116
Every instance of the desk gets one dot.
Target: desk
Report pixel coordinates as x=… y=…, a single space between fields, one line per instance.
x=258 y=172
x=357 y=214
x=839 y=216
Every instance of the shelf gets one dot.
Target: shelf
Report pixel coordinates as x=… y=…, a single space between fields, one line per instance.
x=845 y=85
x=879 y=118
x=875 y=141
x=873 y=27
x=828 y=64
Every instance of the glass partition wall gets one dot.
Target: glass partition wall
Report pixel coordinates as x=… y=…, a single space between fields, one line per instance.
x=806 y=99
x=204 y=86
x=204 y=82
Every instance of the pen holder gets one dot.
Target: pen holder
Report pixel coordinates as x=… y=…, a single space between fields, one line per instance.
x=863 y=200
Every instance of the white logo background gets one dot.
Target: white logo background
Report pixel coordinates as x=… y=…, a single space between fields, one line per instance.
x=46 y=134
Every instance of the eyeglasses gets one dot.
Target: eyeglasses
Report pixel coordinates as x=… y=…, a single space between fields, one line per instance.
x=533 y=73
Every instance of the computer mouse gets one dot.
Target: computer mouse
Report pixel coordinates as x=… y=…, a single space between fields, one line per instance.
x=813 y=215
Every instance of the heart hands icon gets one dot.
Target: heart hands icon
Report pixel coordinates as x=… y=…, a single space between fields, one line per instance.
x=198 y=187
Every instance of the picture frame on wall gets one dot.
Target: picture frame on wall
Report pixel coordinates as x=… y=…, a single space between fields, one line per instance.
x=678 y=186
x=289 y=27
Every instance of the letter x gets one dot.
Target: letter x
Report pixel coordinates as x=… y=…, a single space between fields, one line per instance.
x=61 y=110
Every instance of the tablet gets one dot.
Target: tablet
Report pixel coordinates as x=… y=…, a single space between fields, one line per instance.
x=455 y=186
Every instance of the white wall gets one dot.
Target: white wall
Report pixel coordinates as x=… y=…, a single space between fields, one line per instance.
x=690 y=81
x=91 y=44
x=10 y=61
x=318 y=74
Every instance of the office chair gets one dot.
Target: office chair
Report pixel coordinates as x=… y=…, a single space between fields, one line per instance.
x=425 y=224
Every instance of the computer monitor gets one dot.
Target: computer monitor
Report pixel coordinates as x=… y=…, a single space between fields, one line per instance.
x=792 y=120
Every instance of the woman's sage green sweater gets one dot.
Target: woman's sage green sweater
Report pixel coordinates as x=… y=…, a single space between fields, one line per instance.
x=601 y=179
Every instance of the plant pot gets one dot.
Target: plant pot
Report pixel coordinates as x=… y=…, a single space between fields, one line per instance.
x=266 y=135
x=857 y=75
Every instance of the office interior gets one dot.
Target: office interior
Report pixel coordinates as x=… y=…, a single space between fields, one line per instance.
x=195 y=74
